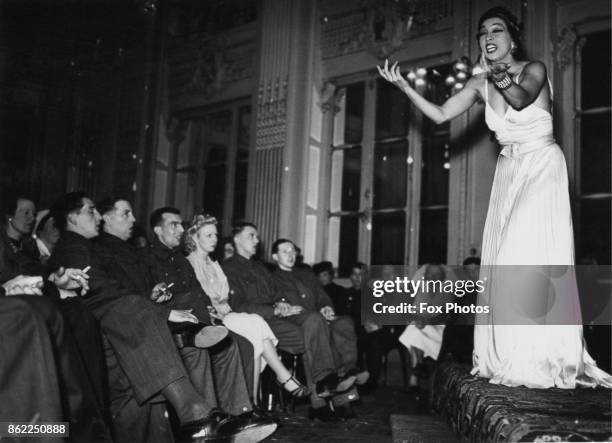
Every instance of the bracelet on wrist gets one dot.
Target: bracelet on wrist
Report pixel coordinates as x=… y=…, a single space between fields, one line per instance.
x=504 y=83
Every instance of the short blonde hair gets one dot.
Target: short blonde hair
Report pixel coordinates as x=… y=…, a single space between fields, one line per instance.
x=196 y=224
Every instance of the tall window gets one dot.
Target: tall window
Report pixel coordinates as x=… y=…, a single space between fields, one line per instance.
x=389 y=184
x=435 y=168
x=224 y=159
x=593 y=161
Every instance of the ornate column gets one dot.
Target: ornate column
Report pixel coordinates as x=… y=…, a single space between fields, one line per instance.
x=276 y=177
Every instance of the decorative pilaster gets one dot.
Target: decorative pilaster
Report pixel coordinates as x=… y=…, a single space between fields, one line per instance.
x=276 y=191
x=263 y=198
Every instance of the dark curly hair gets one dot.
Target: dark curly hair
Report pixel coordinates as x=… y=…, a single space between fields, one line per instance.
x=513 y=26
x=67 y=204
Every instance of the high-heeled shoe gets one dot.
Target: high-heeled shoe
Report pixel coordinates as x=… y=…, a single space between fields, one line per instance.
x=299 y=392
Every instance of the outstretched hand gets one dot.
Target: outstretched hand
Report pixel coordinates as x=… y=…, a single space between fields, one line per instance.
x=393 y=75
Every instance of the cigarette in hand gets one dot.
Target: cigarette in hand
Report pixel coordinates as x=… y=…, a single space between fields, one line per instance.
x=165 y=290
x=86 y=269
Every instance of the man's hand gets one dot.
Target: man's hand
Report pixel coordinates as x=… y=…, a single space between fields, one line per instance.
x=284 y=309
x=70 y=279
x=328 y=313
x=370 y=326
x=64 y=294
x=160 y=293
x=179 y=316
x=24 y=284
x=281 y=308
x=294 y=310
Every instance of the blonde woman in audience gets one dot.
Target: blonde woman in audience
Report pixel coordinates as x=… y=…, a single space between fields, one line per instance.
x=200 y=241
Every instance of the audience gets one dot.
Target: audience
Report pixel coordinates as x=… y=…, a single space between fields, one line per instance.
x=348 y=301
x=20 y=256
x=122 y=261
x=225 y=249
x=111 y=333
x=300 y=287
x=234 y=358
x=42 y=372
x=141 y=355
x=325 y=273
x=200 y=241
x=20 y=253
x=45 y=234
x=253 y=290
x=423 y=335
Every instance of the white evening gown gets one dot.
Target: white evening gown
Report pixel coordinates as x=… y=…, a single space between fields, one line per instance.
x=529 y=223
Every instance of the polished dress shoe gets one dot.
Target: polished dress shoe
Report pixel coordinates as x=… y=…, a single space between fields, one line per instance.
x=332 y=385
x=197 y=335
x=324 y=414
x=259 y=413
x=249 y=427
x=361 y=377
x=207 y=429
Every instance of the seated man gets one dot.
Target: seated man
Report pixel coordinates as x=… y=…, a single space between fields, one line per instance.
x=300 y=287
x=423 y=336
x=325 y=273
x=374 y=341
x=141 y=354
x=253 y=290
x=43 y=377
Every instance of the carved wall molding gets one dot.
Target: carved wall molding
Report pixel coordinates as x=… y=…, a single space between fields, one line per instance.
x=274 y=76
x=381 y=27
x=271 y=113
x=176 y=130
x=565 y=46
x=328 y=98
x=578 y=50
x=208 y=66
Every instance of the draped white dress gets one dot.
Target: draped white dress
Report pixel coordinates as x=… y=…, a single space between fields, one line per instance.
x=251 y=326
x=529 y=223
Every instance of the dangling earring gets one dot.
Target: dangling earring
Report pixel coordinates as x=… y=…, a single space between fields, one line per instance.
x=512 y=48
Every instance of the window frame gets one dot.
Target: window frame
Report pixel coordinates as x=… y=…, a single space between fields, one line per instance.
x=412 y=208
